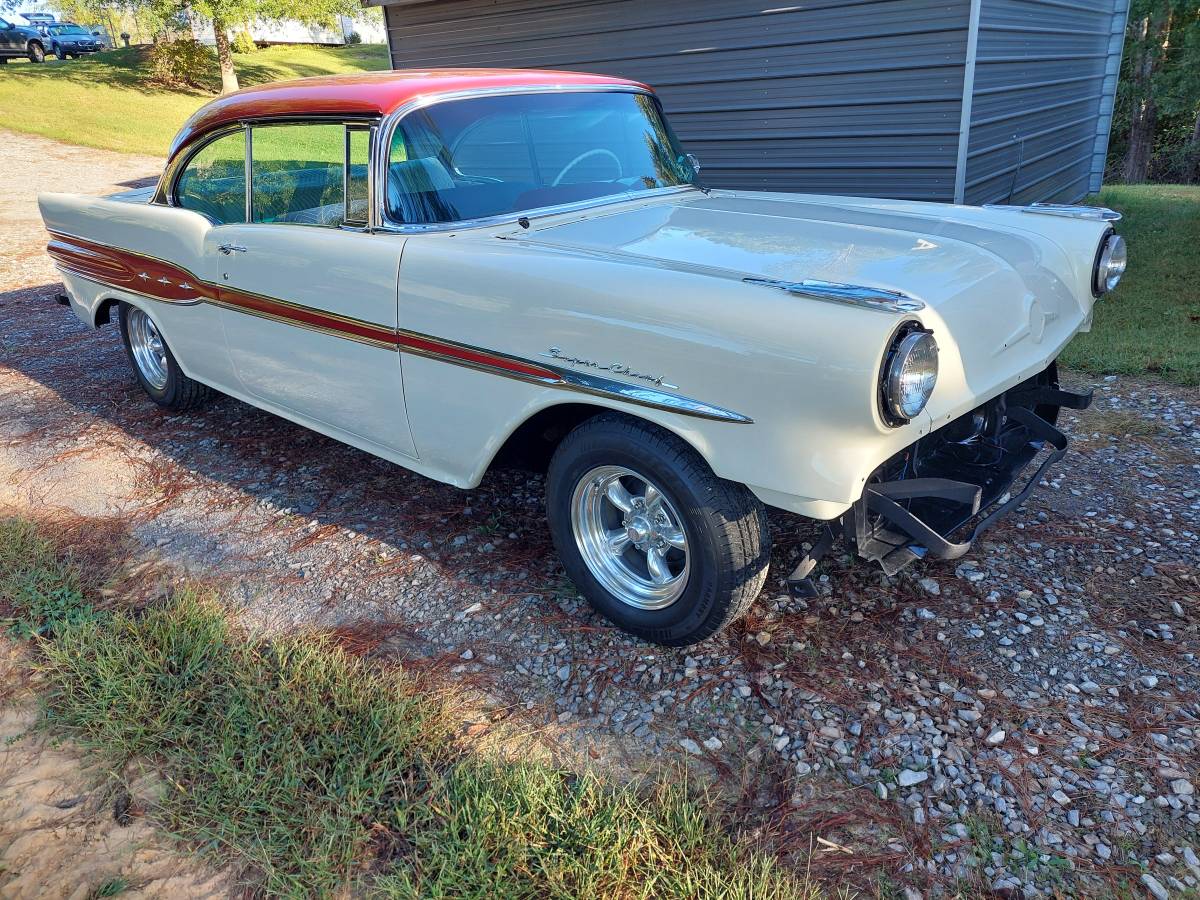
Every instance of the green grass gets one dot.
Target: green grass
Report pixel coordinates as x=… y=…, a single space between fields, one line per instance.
x=315 y=773
x=106 y=101
x=1151 y=322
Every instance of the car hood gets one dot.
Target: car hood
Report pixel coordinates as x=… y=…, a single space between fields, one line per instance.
x=999 y=293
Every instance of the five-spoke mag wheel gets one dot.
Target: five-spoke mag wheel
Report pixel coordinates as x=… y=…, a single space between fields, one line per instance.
x=157 y=370
x=655 y=541
x=630 y=536
x=147 y=347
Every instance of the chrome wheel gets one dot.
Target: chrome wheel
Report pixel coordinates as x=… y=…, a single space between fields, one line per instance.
x=630 y=537
x=146 y=344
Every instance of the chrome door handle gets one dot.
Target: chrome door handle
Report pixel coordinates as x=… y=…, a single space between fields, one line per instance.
x=231 y=248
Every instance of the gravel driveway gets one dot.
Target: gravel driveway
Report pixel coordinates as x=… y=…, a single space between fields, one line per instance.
x=1026 y=720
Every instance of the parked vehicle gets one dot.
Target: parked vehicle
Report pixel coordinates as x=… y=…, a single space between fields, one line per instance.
x=68 y=39
x=17 y=40
x=39 y=21
x=447 y=268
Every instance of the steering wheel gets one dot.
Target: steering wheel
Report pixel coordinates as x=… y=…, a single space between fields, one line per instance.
x=598 y=151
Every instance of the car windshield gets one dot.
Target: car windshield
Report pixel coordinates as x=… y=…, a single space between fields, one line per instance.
x=488 y=156
x=69 y=29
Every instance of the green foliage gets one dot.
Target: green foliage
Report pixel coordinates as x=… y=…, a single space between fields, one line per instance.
x=324 y=775
x=354 y=38
x=114 y=887
x=1160 y=66
x=42 y=590
x=181 y=64
x=243 y=43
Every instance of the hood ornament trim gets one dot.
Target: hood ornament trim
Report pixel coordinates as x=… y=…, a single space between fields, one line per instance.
x=1066 y=210
x=879 y=299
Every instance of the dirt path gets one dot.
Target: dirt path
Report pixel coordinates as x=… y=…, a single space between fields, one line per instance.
x=1012 y=721
x=67 y=830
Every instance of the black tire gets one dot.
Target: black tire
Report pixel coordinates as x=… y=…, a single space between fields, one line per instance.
x=724 y=523
x=60 y=52
x=180 y=393
x=37 y=52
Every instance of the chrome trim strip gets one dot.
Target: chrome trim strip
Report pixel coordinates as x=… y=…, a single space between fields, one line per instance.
x=392 y=120
x=402 y=341
x=571 y=379
x=632 y=393
x=878 y=299
x=1066 y=210
x=125 y=290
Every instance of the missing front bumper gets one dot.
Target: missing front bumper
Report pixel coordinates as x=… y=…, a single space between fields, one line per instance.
x=938 y=496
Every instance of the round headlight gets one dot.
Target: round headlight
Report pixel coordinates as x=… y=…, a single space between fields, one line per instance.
x=909 y=374
x=1110 y=264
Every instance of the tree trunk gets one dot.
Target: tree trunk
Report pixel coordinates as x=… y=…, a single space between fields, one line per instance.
x=229 y=81
x=1193 y=153
x=1152 y=33
x=1141 y=140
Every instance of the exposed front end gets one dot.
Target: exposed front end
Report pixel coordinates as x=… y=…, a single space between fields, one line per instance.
x=937 y=496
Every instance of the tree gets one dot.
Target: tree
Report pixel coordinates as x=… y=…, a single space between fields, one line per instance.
x=1157 y=126
x=1150 y=25
x=229 y=15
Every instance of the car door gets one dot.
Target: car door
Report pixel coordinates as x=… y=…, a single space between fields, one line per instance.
x=9 y=38
x=307 y=294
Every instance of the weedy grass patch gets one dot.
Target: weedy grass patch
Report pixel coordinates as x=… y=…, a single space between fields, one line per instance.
x=313 y=771
x=1151 y=323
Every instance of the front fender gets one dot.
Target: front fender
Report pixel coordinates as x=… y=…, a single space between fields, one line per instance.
x=804 y=372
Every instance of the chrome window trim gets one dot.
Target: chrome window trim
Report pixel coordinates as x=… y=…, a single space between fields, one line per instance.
x=168 y=182
x=392 y=120
x=1066 y=210
x=249 y=175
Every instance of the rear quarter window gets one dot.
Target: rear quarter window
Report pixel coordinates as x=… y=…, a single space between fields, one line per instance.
x=213 y=182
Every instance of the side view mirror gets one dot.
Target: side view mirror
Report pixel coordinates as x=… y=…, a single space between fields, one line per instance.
x=695 y=163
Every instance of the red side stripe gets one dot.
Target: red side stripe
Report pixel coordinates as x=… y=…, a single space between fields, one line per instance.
x=466 y=354
x=123 y=268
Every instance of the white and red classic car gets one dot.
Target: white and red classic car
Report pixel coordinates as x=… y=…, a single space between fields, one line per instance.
x=440 y=266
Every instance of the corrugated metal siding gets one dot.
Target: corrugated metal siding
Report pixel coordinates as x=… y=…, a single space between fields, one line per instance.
x=1045 y=75
x=841 y=96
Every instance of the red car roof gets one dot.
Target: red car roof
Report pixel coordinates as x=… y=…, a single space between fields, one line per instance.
x=366 y=94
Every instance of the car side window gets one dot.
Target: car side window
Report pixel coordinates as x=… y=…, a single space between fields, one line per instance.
x=299 y=174
x=214 y=180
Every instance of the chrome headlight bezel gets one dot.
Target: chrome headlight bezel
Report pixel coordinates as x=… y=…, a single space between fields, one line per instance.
x=908 y=375
x=1112 y=257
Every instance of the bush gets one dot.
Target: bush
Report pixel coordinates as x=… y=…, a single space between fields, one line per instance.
x=243 y=43
x=354 y=38
x=182 y=63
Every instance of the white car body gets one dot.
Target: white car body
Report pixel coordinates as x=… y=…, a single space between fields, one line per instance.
x=680 y=306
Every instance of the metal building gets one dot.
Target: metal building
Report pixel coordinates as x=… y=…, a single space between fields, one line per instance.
x=975 y=101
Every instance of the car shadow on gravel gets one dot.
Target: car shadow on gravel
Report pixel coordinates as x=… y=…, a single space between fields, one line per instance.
x=494 y=535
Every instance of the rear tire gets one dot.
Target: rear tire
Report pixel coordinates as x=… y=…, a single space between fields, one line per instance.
x=709 y=535
x=37 y=53
x=154 y=364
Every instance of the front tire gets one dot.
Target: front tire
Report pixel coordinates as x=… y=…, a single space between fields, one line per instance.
x=37 y=53
x=658 y=544
x=155 y=365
